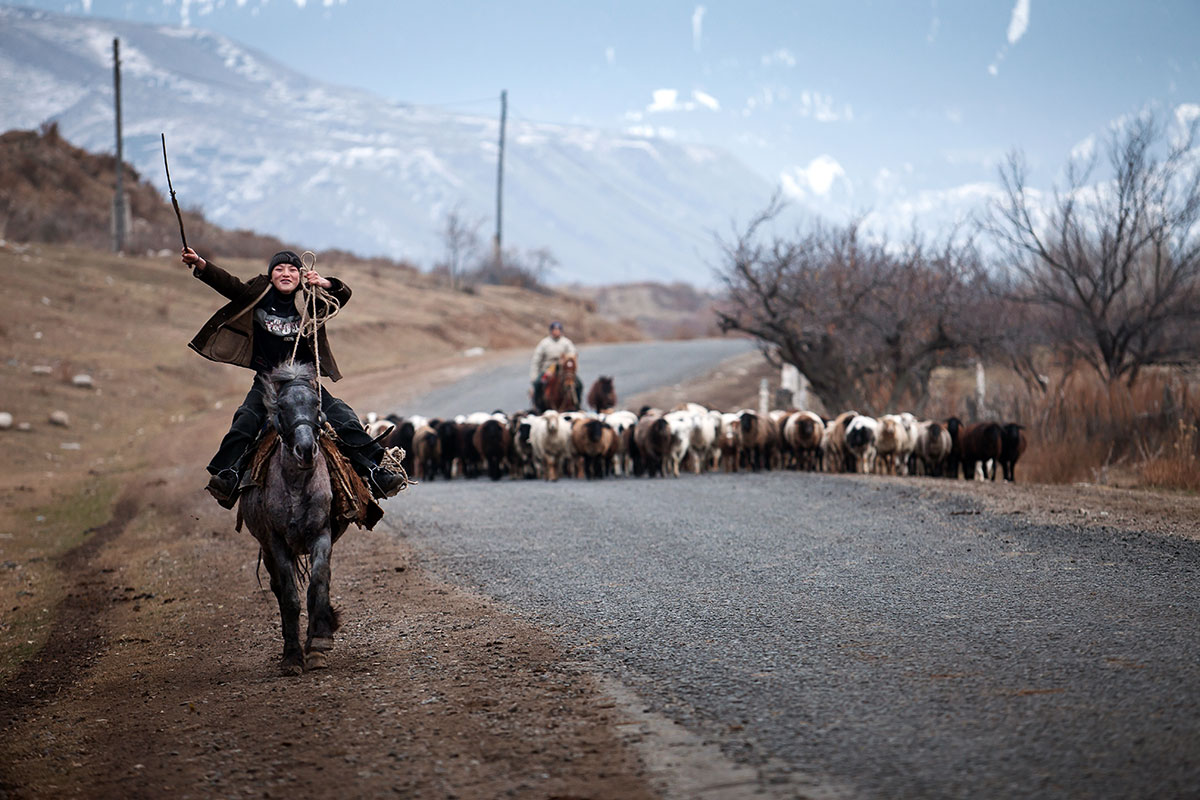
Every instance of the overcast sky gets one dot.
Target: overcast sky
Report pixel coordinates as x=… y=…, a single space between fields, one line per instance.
x=855 y=106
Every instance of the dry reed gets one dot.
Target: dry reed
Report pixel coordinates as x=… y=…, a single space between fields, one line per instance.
x=1083 y=429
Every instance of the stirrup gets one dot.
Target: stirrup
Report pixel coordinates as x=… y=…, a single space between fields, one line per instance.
x=392 y=482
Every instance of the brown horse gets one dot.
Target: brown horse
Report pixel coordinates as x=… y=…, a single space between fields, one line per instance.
x=561 y=388
x=602 y=396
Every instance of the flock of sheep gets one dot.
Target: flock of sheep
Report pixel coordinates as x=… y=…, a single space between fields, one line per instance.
x=693 y=438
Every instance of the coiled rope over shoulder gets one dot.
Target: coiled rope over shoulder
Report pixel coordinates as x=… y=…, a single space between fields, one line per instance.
x=319 y=307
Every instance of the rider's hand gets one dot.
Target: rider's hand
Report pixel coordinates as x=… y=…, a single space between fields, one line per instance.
x=190 y=259
x=311 y=277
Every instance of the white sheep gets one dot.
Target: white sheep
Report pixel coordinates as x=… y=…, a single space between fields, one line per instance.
x=893 y=445
x=550 y=440
x=681 y=435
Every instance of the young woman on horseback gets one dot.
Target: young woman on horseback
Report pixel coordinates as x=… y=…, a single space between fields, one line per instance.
x=257 y=329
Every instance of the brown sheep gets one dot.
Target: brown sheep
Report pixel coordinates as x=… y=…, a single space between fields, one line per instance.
x=978 y=444
x=729 y=442
x=427 y=452
x=1012 y=445
x=492 y=441
x=653 y=439
x=837 y=457
x=591 y=440
x=756 y=439
x=803 y=432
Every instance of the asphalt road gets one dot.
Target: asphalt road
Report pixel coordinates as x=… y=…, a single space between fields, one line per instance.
x=635 y=366
x=856 y=632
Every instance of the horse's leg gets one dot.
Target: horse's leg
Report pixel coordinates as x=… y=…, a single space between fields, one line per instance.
x=283 y=584
x=322 y=619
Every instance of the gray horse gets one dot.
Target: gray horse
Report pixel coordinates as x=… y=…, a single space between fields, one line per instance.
x=289 y=514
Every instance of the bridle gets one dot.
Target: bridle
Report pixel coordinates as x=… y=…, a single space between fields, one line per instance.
x=317 y=425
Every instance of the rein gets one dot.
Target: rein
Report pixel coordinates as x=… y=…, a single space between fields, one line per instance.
x=312 y=318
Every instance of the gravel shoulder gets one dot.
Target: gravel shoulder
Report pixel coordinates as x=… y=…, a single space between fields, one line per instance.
x=1081 y=506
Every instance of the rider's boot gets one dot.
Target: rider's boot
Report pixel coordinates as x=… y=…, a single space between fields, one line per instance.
x=223 y=486
x=385 y=483
x=231 y=459
x=227 y=483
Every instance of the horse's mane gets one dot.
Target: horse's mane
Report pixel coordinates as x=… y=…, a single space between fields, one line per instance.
x=284 y=373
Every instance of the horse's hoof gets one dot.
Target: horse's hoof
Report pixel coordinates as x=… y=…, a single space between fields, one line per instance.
x=291 y=668
x=320 y=644
x=315 y=659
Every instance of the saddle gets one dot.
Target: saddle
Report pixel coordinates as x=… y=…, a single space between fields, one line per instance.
x=352 y=499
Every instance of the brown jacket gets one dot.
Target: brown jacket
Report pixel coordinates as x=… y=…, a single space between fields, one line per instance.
x=227 y=337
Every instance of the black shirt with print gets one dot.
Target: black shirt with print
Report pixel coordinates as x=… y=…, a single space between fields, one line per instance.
x=276 y=323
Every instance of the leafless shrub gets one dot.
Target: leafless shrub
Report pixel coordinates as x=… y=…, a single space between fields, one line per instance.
x=525 y=270
x=461 y=243
x=866 y=323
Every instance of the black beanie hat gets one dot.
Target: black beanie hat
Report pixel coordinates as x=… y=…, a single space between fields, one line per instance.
x=285 y=257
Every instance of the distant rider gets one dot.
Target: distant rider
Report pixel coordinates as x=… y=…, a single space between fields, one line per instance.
x=547 y=354
x=257 y=329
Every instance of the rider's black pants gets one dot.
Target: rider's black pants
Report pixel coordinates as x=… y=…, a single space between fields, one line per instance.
x=251 y=415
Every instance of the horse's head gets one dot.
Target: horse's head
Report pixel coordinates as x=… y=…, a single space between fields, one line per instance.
x=567 y=364
x=293 y=402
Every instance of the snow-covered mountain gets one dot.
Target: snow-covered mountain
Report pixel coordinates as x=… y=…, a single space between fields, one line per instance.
x=256 y=144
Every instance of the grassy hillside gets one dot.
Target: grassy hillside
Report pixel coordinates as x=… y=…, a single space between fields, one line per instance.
x=126 y=321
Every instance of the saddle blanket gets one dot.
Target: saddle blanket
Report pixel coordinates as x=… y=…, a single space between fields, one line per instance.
x=352 y=500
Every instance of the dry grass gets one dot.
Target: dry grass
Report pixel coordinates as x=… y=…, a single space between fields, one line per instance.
x=1178 y=467
x=1082 y=429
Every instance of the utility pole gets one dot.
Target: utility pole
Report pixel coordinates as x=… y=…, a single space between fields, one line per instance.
x=119 y=198
x=500 y=178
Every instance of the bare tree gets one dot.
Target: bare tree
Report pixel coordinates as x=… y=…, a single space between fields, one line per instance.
x=1116 y=262
x=460 y=238
x=865 y=323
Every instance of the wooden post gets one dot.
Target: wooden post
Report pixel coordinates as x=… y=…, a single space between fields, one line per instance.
x=980 y=390
x=496 y=242
x=119 y=197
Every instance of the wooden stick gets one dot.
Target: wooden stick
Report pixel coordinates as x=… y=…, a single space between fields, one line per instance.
x=174 y=202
